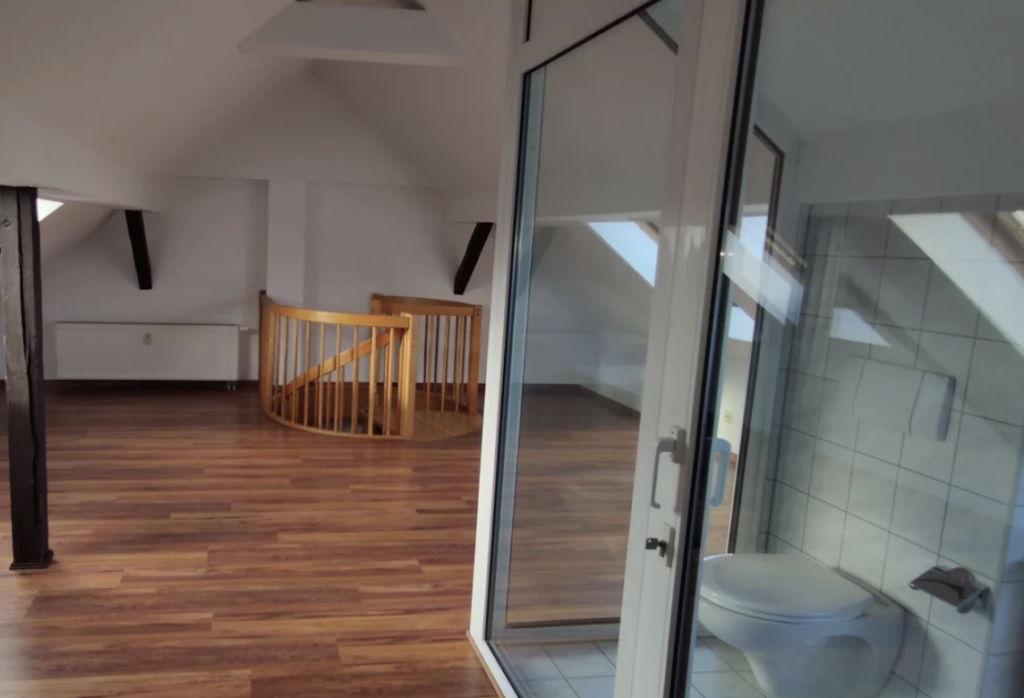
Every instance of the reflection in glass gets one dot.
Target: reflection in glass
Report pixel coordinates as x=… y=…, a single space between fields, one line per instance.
x=583 y=277
x=884 y=392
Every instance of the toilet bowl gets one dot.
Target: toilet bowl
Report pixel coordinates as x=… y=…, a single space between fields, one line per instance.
x=806 y=630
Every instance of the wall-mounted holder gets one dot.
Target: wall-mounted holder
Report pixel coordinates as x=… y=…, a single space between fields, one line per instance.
x=955 y=587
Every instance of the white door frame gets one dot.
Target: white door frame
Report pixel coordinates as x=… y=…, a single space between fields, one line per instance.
x=710 y=36
x=681 y=323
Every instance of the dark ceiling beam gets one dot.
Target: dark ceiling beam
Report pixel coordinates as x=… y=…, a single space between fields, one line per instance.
x=469 y=260
x=659 y=30
x=140 y=250
x=20 y=283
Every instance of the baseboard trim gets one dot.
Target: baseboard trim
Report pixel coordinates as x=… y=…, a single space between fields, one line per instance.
x=577 y=390
x=59 y=384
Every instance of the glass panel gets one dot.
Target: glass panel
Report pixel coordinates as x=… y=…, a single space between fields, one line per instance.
x=869 y=367
x=738 y=344
x=591 y=168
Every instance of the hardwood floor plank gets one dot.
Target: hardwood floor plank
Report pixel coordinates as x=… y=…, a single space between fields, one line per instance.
x=203 y=551
x=198 y=543
x=223 y=684
x=376 y=680
x=60 y=657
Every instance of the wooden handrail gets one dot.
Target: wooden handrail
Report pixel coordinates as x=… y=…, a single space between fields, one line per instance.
x=303 y=387
x=391 y=305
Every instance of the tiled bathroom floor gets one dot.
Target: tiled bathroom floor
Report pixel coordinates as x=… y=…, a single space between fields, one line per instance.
x=587 y=670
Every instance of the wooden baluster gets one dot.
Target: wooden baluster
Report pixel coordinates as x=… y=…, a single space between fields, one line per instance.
x=403 y=376
x=460 y=345
x=295 y=376
x=272 y=362
x=389 y=381
x=339 y=379
x=409 y=411
x=268 y=345
x=264 y=355
x=472 y=403
x=444 y=366
x=284 y=366
x=465 y=359
x=437 y=352
x=426 y=328
x=305 y=388
x=431 y=344
x=262 y=342
x=355 y=378
x=320 y=379
x=373 y=381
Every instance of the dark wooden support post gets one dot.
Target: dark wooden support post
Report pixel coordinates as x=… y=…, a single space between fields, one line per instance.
x=23 y=346
x=140 y=250
x=472 y=256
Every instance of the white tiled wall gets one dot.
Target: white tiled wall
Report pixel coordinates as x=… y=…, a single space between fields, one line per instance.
x=882 y=505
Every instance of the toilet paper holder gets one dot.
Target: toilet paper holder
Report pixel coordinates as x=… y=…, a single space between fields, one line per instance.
x=956 y=587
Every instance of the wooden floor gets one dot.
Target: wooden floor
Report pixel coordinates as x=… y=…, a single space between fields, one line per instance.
x=204 y=552
x=574 y=489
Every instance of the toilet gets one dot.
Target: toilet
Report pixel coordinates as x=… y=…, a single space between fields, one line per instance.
x=806 y=630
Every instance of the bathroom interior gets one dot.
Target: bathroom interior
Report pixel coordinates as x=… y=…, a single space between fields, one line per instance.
x=865 y=531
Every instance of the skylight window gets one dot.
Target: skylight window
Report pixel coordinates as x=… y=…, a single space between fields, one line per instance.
x=44 y=207
x=849 y=325
x=632 y=243
x=741 y=325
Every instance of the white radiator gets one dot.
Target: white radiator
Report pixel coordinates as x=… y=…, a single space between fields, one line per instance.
x=99 y=351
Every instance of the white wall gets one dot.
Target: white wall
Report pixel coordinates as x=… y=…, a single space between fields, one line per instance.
x=298 y=196
x=389 y=240
x=34 y=155
x=884 y=505
x=208 y=254
x=69 y=225
x=972 y=151
x=607 y=109
x=300 y=132
x=588 y=316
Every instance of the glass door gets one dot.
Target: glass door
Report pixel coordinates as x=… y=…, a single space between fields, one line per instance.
x=584 y=272
x=860 y=371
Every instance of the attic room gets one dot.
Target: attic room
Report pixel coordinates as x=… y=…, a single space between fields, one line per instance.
x=227 y=205
x=519 y=348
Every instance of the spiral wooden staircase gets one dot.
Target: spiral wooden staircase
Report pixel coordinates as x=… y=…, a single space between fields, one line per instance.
x=408 y=370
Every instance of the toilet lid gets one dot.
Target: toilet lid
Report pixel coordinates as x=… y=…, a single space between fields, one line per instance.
x=781 y=587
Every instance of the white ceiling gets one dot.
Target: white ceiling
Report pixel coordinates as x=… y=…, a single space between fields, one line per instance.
x=141 y=81
x=606 y=121
x=447 y=120
x=836 y=65
x=134 y=80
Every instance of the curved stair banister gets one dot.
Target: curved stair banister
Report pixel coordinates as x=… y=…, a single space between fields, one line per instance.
x=338 y=373
x=408 y=370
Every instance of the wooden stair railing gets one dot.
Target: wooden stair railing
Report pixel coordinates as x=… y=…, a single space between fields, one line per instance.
x=310 y=380
x=449 y=369
x=379 y=340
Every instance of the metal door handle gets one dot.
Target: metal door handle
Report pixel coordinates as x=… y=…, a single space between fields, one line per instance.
x=723 y=450
x=666 y=444
x=663 y=445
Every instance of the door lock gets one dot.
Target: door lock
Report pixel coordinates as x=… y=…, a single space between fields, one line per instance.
x=657 y=544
